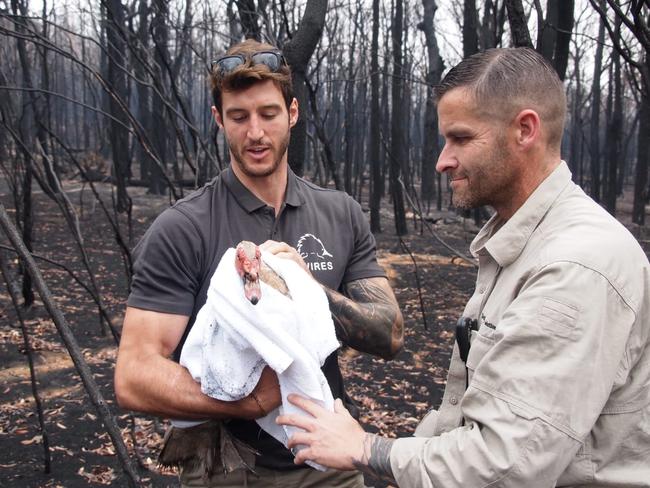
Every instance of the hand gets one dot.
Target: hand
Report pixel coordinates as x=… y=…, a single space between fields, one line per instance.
x=284 y=251
x=266 y=395
x=333 y=439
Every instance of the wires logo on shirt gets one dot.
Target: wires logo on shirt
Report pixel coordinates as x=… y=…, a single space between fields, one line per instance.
x=313 y=251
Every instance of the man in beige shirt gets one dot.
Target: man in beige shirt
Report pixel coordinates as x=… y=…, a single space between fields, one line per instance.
x=555 y=390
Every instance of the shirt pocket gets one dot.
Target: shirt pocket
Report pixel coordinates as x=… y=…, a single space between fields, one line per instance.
x=481 y=344
x=558 y=318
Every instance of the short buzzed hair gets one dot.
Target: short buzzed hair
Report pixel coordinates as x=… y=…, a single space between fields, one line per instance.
x=508 y=80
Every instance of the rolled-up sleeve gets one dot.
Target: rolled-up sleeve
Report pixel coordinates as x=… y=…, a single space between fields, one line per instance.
x=539 y=381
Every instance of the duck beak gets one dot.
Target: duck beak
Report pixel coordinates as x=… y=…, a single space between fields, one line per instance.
x=252 y=290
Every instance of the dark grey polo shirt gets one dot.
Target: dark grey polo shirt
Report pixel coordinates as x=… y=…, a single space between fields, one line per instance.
x=179 y=253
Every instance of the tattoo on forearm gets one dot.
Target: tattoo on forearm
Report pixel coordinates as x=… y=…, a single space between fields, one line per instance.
x=367 y=317
x=376 y=457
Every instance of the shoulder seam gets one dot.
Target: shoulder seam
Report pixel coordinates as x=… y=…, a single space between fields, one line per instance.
x=606 y=278
x=314 y=186
x=187 y=216
x=197 y=228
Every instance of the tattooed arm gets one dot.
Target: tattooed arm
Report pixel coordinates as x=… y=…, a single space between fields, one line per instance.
x=375 y=459
x=367 y=317
x=366 y=314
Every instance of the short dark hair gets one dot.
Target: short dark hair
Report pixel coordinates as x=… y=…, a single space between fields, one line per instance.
x=505 y=81
x=246 y=75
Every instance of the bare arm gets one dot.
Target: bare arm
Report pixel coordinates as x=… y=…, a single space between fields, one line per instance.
x=146 y=380
x=367 y=317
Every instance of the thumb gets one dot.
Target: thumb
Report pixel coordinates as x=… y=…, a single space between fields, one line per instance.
x=339 y=407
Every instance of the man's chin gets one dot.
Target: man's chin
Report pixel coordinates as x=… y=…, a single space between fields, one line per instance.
x=465 y=203
x=254 y=172
x=462 y=202
x=257 y=169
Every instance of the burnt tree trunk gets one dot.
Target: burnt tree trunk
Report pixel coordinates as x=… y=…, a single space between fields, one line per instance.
x=146 y=163
x=642 y=155
x=397 y=134
x=518 y=25
x=595 y=115
x=248 y=18
x=614 y=131
x=547 y=32
x=434 y=73
x=554 y=36
x=492 y=26
x=373 y=152
x=160 y=139
x=30 y=117
x=350 y=137
x=563 y=37
x=298 y=52
x=470 y=28
x=119 y=137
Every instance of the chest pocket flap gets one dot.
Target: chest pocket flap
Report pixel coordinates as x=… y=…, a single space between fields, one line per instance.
x=480 y=346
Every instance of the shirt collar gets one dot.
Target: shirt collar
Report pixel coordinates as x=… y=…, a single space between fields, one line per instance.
x=505 y=241
x=250 y=202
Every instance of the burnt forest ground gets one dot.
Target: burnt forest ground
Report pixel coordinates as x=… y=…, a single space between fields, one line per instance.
x=392 y=395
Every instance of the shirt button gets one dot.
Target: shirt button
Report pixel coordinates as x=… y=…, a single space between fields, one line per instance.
x=453 y=400
x=481 y=289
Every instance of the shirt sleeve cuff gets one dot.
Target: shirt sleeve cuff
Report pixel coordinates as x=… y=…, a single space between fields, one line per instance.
x=405 y=457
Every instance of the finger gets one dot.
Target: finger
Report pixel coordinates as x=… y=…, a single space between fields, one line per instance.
x=268 y=243
x=307 y=405
x=271 y=248
x=299 y=421
x=300 y=438
x=304 y=455
x=339 y=407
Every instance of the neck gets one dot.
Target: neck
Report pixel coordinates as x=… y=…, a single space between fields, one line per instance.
x=532 y=176
x=271 y=189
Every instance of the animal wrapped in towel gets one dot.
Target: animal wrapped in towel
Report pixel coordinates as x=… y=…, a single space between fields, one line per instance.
x=260 y=310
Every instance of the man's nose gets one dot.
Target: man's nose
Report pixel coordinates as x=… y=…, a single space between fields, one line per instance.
x=255 y=129
x=446 y=160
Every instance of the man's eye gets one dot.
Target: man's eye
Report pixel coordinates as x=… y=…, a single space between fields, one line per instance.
x=460 y=139
x=238 y=117
x=269 y=115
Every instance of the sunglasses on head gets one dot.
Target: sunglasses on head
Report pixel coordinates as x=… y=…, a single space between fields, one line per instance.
x=274 y=60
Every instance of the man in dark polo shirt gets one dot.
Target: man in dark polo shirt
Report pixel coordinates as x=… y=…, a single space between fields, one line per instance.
x=258 y=198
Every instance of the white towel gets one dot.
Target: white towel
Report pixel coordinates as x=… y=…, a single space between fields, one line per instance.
x=232 y=340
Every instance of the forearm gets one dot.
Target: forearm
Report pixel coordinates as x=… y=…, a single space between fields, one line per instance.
x=375 y=460
x=367 y=317
x=159 y=386
x=146 y=379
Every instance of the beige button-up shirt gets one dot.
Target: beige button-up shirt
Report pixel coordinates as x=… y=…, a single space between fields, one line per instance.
x=559 y=370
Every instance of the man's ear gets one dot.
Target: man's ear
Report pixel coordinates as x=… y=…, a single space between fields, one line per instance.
x=293 y=112
x=217 y=117
x=528 y=128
